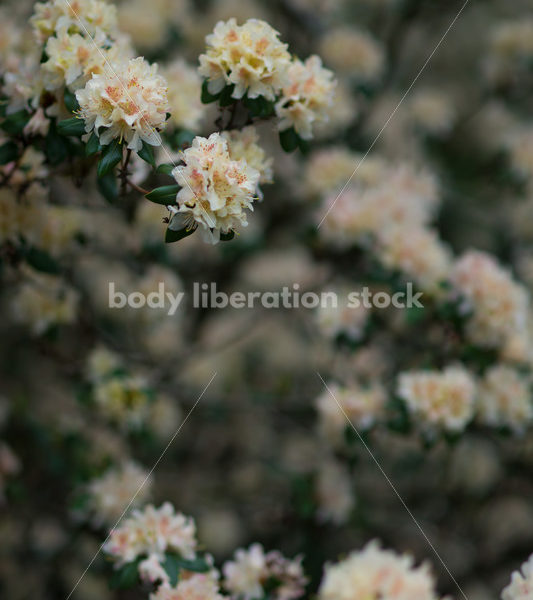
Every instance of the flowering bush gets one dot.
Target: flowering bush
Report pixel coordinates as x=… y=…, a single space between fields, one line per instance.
x=266 y=276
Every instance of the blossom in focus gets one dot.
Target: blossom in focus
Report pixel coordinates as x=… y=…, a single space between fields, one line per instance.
x=242 y=144
x=250 y=56
x=128 y=101
x=444 y=399
x=521 y=586
x=216 y=189
x=306 y=97
x=152 y=532
x=375 y=573
x=196 y=587
x=184 y=94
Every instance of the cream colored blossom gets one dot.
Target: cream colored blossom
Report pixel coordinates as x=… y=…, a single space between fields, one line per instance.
x=343 y=316
x=250 y=56
x=245 y=576
x=376 y=574
x=382 y=196
x=74 y=58
x=499 y=304
x=418 y=253
x=353 y=405
x=353 y=52
x=242 y=144
x=152 y=532
x=43 y=301
x=216 y=189
x=124 y=400
x=432 y=112
x=442 y=399
x=196 y=587
x=306 y=97
x=101 y=362
x=184 y=94
x=504 y=399
x=81 y=16
x=111 y=494
x=128 y=101
x=334 y=492
x=520 y=147
x=521 y=586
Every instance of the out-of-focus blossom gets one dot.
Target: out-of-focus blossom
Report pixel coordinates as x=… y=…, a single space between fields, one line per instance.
x=440 y=399
x=184 y=95
x=504 y=399
x=376 y=573
x=306 y=96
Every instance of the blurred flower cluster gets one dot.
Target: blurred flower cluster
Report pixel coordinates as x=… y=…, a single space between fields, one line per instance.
x=158 y=442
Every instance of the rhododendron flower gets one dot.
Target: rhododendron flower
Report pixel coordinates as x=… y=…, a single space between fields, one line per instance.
x=128 y=101
x=306 y=97
x=216 y=189
x=249 y=56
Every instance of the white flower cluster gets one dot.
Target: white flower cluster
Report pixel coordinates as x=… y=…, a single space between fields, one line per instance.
x=521 y=586
x=152 y=532
x=111 y=494
x=127 y=102
x=216 y=188
x=356 y=404
x=253 y=59
x=306 y=96
x=250 y=56
x=499 y=304
x=440 y=399
x=245 y=576
x=377 y=574
x=184 y=94
x=196 y=587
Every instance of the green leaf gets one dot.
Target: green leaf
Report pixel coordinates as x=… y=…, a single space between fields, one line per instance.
x=289 y=139
x=74 y=126
x=207 y=96
x=108 y=187
x=165 y=194
x=165 y=168
x=41 y=261
x=111 y=155
x=55 y=146
x=172 y=568
x=147 y=154
x=93 y=145
x=226 y=237
x=14 y=123
x=198 y=564
x=70 y=101
x=183 y=137
x=125 y=577
x=8 y=152
x=175 y=236
x=225 y=98
x=259 y=107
